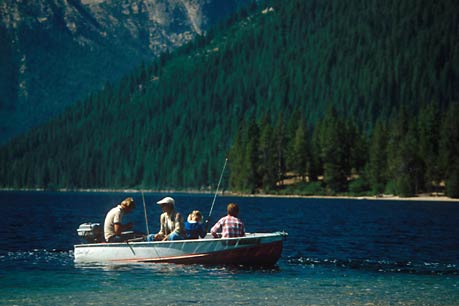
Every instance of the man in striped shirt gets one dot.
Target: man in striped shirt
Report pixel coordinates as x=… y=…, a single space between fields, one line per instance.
x=230 y=225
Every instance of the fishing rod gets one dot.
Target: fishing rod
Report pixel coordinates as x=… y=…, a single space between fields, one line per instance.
x=145 y=212
x=216 y=192
x=146 y=224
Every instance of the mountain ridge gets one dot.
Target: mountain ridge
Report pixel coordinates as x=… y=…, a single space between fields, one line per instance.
x=56 y=52
x=342 y=96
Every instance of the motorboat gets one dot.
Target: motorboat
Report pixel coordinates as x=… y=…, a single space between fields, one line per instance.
x=254 y=249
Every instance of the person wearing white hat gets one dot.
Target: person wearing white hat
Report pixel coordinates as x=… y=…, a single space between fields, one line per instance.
x=172 y=224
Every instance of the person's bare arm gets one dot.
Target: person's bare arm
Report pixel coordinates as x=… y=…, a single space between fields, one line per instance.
x=119 y=228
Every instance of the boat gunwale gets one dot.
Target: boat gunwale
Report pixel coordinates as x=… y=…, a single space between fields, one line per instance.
x=280 y=235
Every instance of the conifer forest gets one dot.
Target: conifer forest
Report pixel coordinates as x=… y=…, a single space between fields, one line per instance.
x=311 y=97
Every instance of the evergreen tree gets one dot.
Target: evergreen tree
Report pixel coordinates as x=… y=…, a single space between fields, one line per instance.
x=410 y=176
x=268 y=158
x=316 y=168
x=429 y=136
x=357 y=148
x=377 y=165
x=333 y=152
x=398 y=128
x=450 y=150
x=300 y=151
x=280 y=143
x=293 y=123
x=251 y=158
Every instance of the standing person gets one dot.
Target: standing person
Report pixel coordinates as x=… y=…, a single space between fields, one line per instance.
x=113 y=225
x=194 y=227
x=230 y=225
x=172 y=226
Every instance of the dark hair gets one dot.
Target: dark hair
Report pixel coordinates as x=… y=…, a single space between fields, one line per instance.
x=233 y=209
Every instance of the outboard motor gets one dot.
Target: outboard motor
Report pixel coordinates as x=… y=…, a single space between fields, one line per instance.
x=90 y=233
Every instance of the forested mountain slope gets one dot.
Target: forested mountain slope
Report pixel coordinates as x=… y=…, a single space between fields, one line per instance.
x=346 y=95
x=53 y=52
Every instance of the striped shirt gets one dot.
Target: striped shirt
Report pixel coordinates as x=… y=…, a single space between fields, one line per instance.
x=229 y=226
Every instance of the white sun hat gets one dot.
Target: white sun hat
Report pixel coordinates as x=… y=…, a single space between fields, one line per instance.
x=166 y=200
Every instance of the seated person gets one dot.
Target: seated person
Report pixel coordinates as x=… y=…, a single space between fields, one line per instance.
x=113 y=221
x=172 y=226
x=194 y=227
x=229 y=226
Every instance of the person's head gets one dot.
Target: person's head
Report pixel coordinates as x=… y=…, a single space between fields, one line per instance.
x=232 y=209
x=195 y=216
x=128 y=205
x=167 y=204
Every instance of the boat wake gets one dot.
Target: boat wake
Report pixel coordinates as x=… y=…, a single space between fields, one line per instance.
x=385 y=266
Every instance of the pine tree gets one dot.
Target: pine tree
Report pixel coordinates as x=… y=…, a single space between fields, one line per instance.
x=293 y=123
x=429 y=136
x=377 y=164
x=410 y=176
x=450 y=150
x=300 y=151
x=357 y=148
x=267 y=149
x=280 y=143
x=316 y=168
x=333 y=152
x=398 y=127
x=236 y=156
x=252 y=158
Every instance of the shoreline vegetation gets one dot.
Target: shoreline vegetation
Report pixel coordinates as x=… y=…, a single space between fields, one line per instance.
x=386 y=197
x=336 y=112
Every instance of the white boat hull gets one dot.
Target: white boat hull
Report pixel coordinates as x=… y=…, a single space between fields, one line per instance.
x=253 y=249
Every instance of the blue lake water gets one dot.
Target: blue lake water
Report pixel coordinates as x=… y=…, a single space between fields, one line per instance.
x=338 y=252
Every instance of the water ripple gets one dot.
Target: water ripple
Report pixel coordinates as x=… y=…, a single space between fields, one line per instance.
x=421 y=268
x=53 y=259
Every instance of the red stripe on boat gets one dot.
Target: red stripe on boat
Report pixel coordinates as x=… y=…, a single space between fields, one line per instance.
x=263 y=254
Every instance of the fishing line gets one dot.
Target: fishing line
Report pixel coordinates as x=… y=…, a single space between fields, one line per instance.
x=132 y=250
x=146 y=224
x=145 y=212
x=216 y=192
